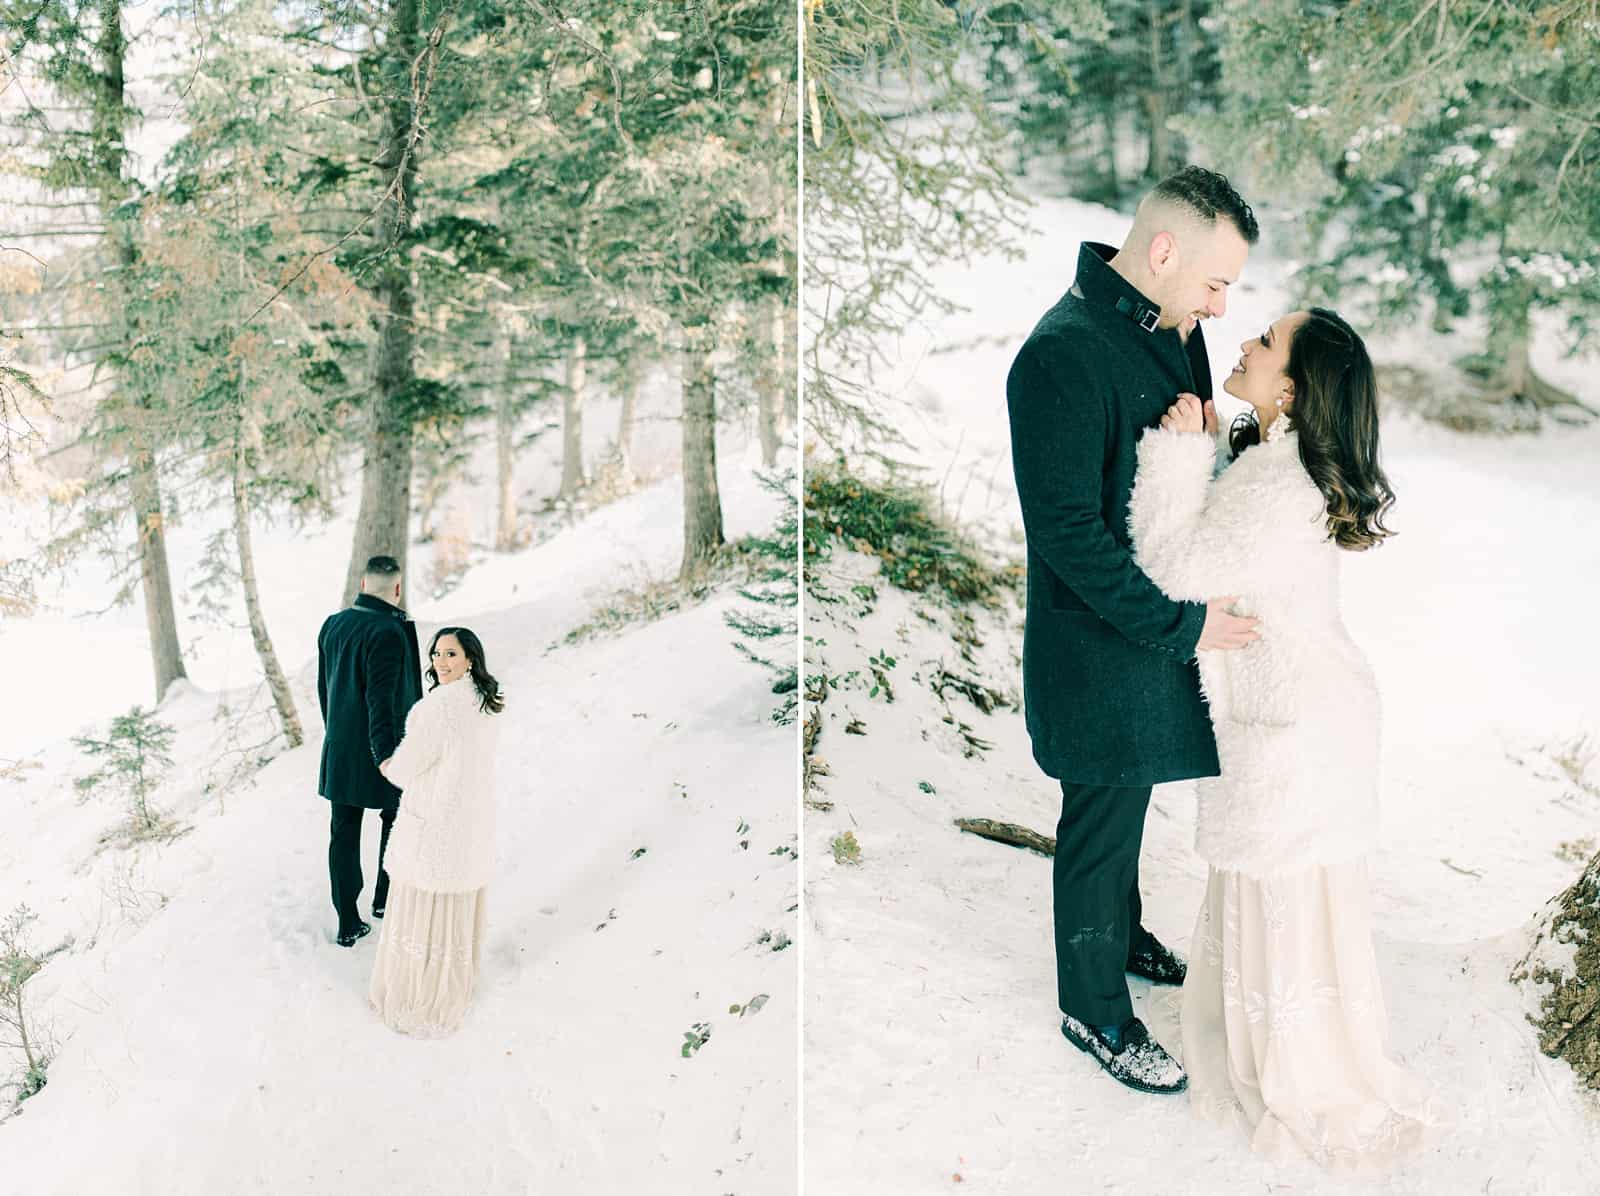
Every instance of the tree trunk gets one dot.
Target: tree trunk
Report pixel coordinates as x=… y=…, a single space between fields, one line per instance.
x=433 y=485
x=1156 y=103
x=383 y=521
x=505 y=455
x=277 y=683
x=631 y=381
x=1565 y=956
x=110 y=152
x=1113 y=178
x=791 y=348
x=573 y=478
x=154 y=576
x=1511 y=377
x=771 y=409
x=702 y=503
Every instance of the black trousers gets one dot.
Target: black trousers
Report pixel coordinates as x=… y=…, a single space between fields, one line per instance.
x=344 y=862
x=1097 y=906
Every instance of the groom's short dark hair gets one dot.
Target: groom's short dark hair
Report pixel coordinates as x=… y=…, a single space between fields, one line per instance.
x=382 y=566
x=1210 y=196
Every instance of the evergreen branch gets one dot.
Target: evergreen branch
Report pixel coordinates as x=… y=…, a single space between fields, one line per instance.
x=568 y=29
x=422 y=88
x=1433 y=61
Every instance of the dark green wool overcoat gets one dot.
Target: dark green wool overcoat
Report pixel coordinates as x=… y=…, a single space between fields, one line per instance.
x=1110 y=685
x=369 y=675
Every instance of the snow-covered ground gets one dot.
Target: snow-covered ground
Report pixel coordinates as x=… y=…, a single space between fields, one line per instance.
x=212 y=1036
x=933 y=1056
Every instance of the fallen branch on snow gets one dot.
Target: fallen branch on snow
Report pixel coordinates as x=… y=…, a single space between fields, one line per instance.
x=1009 y=833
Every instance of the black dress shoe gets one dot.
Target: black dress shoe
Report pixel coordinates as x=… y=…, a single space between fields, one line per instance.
x=377 y=910
x=1138 y=1061
x=1155 y=963
x=349 y=940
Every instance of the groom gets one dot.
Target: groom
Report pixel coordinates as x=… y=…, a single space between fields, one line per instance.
x=1110 y=683
x=369 y=674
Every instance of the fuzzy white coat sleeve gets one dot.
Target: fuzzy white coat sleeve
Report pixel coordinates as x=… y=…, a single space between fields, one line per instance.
x=1197 y=549
x=417 y=751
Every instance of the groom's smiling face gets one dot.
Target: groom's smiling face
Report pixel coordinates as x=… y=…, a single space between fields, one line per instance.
x=1195 y=264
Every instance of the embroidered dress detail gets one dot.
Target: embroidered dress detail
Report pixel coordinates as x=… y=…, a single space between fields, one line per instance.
x=1284 y=1028
x=427 y=964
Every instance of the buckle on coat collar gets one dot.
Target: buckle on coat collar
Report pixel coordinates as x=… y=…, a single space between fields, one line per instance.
x=1142 y=314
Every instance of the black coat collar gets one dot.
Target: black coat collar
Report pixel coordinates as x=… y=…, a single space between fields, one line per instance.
x=1099 y=283
x=378 y=606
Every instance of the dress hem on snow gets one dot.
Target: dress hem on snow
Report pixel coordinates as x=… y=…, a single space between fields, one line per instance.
x=1285 y=1034
x=428 y=956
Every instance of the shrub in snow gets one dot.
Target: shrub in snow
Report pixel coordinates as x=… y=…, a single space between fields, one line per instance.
x=845 y=848
x=1564 y=964
x=19 y=963
x=917 y=551
x=133 y=758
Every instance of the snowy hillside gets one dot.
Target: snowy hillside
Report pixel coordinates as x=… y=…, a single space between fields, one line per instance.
x=933 y=1055
x=214 y=1039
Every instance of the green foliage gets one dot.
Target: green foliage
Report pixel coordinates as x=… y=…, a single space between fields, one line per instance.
x=1443 y=154
x=132 y=757
x=907 y=163
x=880 y=664
x=19 y=963
x=845 y=848
x=918 y=552
x=1078 y=84
x=771 y=615
x=652 y=600
x=695 y=1037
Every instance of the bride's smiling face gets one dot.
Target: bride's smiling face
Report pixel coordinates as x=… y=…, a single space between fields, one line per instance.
x=449 y=661
x=1261 y=377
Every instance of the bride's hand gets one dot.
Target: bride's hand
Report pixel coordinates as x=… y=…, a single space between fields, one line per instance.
x=1188 y=414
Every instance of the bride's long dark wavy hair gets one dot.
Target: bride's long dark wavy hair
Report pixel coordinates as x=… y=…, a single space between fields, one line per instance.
x=490 y=698
x=1335 y=412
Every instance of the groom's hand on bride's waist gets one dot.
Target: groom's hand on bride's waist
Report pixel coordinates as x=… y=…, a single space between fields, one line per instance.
x=1225 y=631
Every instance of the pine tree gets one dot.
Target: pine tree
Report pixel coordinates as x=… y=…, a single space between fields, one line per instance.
x=134 y=757
x=907 y=162
x=22 y=402
x=1079 y=92
x=247 y=359
x=20 y=962
x=80 y=49
x=1448 y=155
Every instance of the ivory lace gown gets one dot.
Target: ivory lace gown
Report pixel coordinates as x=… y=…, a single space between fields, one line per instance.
x=426 y=968
x=1284 y=1029
x=441 y=855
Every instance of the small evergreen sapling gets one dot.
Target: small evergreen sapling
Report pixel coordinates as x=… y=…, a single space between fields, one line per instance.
x=19 y=963
x=134 y=756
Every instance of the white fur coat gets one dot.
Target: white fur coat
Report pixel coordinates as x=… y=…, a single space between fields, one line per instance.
x=443 y=837
x=1296 y=713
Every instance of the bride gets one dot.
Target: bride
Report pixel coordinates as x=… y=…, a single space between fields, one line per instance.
x=442 y=852
x=1284 y=1028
